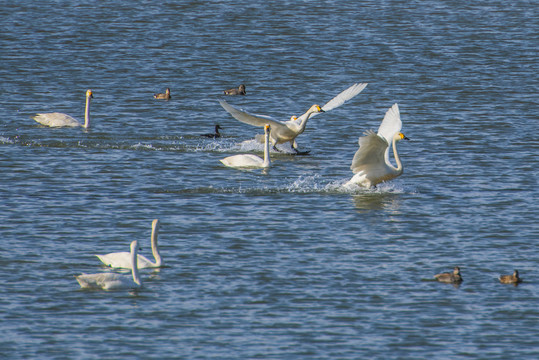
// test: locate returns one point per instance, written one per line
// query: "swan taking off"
(113, 281)
(250, 160)
(371, 164)
(287, 131)
(60, 120)
(123, 259)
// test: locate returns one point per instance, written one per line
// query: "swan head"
(400, 136)
(293, 118)
(267, 128)
(316, 109)
(89, 94)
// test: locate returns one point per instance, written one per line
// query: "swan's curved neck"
(155, 249)
(303, 120)
(399, 169)
(134, 265)
(267, 160)
(87, 113)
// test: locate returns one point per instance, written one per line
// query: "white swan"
(371, 162)
(250, 160)
(287, 131)
(123, 259)
(113, 281)
(60, 120)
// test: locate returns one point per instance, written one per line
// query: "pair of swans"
(63, 120)
(371, 163)
(128, 260)
(288, 131)
(250, 160)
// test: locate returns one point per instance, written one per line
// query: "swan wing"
(343, 97)
(391, 124)
(56, 119)
(251, 119)
(105, 281)
(369, 158)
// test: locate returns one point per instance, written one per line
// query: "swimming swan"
(123, 259)
(113, 281)
(287, 131)
(165, 96)
(250, 160)
(239, 91)
(450, 278)
(371, 162)
(60, 120)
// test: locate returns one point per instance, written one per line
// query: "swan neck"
(87, 113)
(266, 150)
(303, 120)
(155, 249)
(134, 265)
(399, 169)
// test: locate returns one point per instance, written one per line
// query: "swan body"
(161, 96)
(287, 131)
(63, 120)
(371, 164)
(123, 259)
(239, 91)
(451, 278)
(113, 281)
(215, 135)
(510, 279)
(250, 160)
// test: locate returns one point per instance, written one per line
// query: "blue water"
(284, 264)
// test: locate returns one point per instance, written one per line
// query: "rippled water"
(284, 264)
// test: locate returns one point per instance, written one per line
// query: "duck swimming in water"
(510, 279)
(239, 91)
(165, 96)
(450, 278)
(215, 135)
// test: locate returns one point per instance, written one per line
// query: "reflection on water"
(368, 201)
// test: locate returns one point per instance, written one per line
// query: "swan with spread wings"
(287, 131)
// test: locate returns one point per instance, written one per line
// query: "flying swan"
(60, 120)
(287, 131)
(250, 160)
(123, 259)
(371, 164)
(113, 281)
